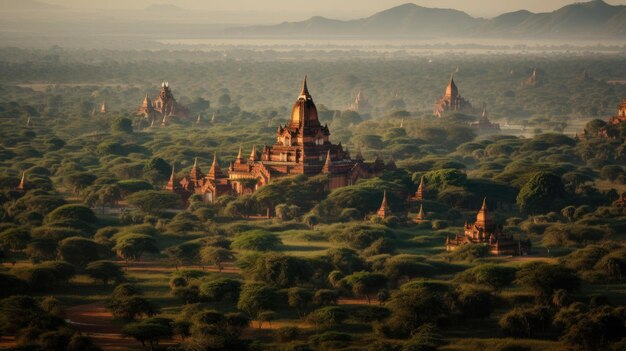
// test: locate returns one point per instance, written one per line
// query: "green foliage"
(255, 298)
(539, 193)
(79, 251)
(72, 212)
(153, 201)
(105, 271)
(132, 246)
(257, 240)
(525, 322)
(327, 317)
(493, 276)
(280, 271)
(544, 279)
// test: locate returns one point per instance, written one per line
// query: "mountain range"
(590, 20)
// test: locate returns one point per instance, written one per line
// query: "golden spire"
(451, 89)
(420, 214)
(483, 218)
(253, 154)
(22, 185)
(198, 119)
(304, 93)
(384, 211)
(215, 171)
(328, 164)
(172, 180)
(239, 155)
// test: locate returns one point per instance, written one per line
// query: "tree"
(123, 125)
(281, 271)
(493, 276)
(221, 289)
(72, 212)
(257, 240)
(266, 316)
(345, 260)
(79, 181)
(157, 170)
(475, 302)
(525, 322)
(129, 308)
(327, 317)
(79, 251)
(42, 249)
(255, 298)
(109, 195)
(153, 201)
(132, 246)
(150, 330)
(544, 279)
(216, 256)
(14, 239)
(539, 193)
(105, 271)
(365, 283)
(299, 298)
(184, 253)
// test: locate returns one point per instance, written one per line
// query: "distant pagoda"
(452, 101)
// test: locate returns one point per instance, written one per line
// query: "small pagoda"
(384, 211)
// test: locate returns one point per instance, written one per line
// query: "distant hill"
(28, 5)
(164, 8)
(592, 19)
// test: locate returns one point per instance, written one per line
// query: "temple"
(621, 115)
(484, 125)
(21, 187)
(485, 231)
(420, 194)
(452, 101)
(360, 104)
(302, 147)
(163, 106)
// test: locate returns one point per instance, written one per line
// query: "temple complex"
(360, 104)
(485, 231)
(621, 115)
(302, 146)
(452, 101)
(484, 125)
(163, 106)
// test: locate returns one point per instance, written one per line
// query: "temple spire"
(198, 119)
(304, 93)
(239, 155)
(22, 185)
(328, 164)
(384, 211)
(172, 181)
(215, 171)
(253, 154)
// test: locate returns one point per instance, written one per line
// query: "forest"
(96, 255)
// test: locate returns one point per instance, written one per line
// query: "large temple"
(163, 106)
(360, 104)
(302, 146)
(614, 126)
(485, 231)
(452, 101)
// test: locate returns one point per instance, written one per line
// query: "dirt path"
(95, 321)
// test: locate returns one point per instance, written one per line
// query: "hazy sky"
(332, 8)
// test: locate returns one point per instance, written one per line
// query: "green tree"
(257, 240)
(255, 298)
(150, 330)
(79, 251)
(123, 125)
(544, 279)
(153, 201)
(540, 193)
(216, 256)
(365, 283)
(490, 275)
(105, 271)
(132, 246)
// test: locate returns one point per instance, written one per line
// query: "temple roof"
(304, 112)
(451, 89)
(195, 173)
(215, 172)
(483, 218)
(384, 210)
